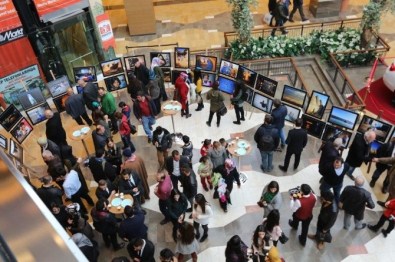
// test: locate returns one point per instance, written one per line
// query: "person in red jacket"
(182, 91)
(124, 130)
(389, 214)
(205, 147)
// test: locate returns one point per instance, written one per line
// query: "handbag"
(133, 129)
(260, 203)
(223, 110)
(283, 238)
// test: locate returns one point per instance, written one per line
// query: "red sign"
(9, 18)
(105, 30)
(48, 6)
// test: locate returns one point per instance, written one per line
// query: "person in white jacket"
(201, 215)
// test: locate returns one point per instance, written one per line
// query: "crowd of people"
(119, 169)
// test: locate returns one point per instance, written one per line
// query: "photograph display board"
(266, 85)
(374, 147)
(3, 142)
(206, 63)
(15, 150)
(58, 86)
(247, 76)
(129, 65)
(332, 132)
(115, 83)
(164, 56)
(36, 115)
(262, 102)
(317, 104)
(228, 68)
(208, 79)
(293, 96)
(226, 85)
(381, 128)
(22, 130)
(10, 117)
(31, 98)
(292, 113)
(249, 95)
(86, 73)
(343, 117)
(313, 126)
(181, 57)
(111, 67)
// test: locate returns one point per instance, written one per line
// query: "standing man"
(329, 152)
(390, 176)
(49, 193)
(333, 175)
(163, 191)
(298, 5)
(296, 141)
(132, 226)
(145, 111)
(75, 106)
(267, 140)
(302, 209)
(386, 150)
(162, 141)
(99, 138)
(54, 128)
(173, 166)
(279, 113)
(281, 15)
(189, 184)
(141, 71)
(353, 201)
(90, 93)
(109, 107)
(359, 151)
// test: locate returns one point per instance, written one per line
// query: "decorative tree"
(242, 18)
(371, 18)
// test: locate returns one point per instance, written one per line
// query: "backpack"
(266, 142)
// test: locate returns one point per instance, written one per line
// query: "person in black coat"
(49, 193)
(326, 219)
(230, 174)
(104, 189)
(113, 155)
(163, 141)
(177, 206)
(359, 151)
(140, 71)
(384, 151)
(54, 128)
(132, 226)
(100, 168)
(173, 166)
(99, 137)
(279, 113)
(75, 107)
(333, 175)
(189, 184)
(296, 141)
(131, 184)
(90, 94)
(141, 250)
(46, 144)
(329, 152)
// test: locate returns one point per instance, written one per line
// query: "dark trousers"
(114, 121)
(109, 239)
(76, 198)
(186, 111)
(305, 227)
(391, 224)
(239, 113)
(377, 173)
(279, 23)
(164, 209)
(300, 8)
(196, 225)
(85, 117)
(210, 117)
(127, 142)
(288, 158)
(174, 181)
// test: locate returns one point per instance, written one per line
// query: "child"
(225, 145)
(205, 170)
(206, 147)
(187, 148)
(125, 109)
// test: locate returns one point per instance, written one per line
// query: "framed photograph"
(115, 83)
(15, 150)
(266, 85)
(22, 130)
(293, 96)
(181, 57)
(111, 67)
(392, 135)
(317, 104)
(208, 79)
(165, 57)
(87, 73)
(227, 85)
(31, 98)
(228, 68)
(175, 74)
(129, 65)
(3, 142)
(381, 128)
(292, 113)
(166, 74)
(58, 86)
(60, 103)
(247, 76)
(374, 147)
(206, 63)
(262, 102)
(36, 115)
(343, 117)
(250, 95)
(10, 117)
(313, 126)
(332, 132)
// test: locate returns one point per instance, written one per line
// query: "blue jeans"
(336, 189)
(282, 135)
(267, 160)
(148, 121)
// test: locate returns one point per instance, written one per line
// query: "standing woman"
(201, 215)
(230, 174)
(177, 206)
(183, 91)
(216, 100)
(217, 154)
(272, 225)
(237, 102)
(187, 243)
(205, 171)
(156, 67)
(270, 198)
(198, 82)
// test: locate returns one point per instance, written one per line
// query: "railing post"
(336, 72)
(268, 68)
(344, 87)
(301, 32)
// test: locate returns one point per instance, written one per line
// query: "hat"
(185, 139)
(127, 152)
(206, 142)
(135, 60)
(42, 141)
(184, 75)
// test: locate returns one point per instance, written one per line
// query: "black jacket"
(166, 142)
(327, 217)
(49, 195)
(101, 169)
(330, 176)
(359, 152)
(354, 200)
(265, 129)
(133, 227)
(177, 208)
(169, 163)
(142, 74)
(90, 95)
(296, 140)
(189, 184)
(146, 256)
(328, 155)
(75, 105)
(126, 186)
(103, 193)
(55, 131)
(229, 178)
(104, 221)
(384, 151)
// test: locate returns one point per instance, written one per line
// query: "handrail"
(146, 46)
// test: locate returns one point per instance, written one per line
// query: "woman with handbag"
(270, 198)
(216, 103)
(272, 225)
(197, 79)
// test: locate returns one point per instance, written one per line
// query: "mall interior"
(44, 41)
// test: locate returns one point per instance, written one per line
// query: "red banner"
(48, 6)
(9, 18)
(105, 30)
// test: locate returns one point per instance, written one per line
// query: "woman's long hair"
(273, 219)
(255, 237)
(273, 184)
(187, 233)
(233, 246)
(200, 201)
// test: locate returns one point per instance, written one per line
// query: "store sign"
(10, 24)
(105, 30)
(48, 6)
(19, 78)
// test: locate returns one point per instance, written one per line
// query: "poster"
(48, 6)
(105, 31)
(21, 81)
(10, 24)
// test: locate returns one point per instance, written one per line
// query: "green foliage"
(317, 42)
(242, 18)
(371, 16)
